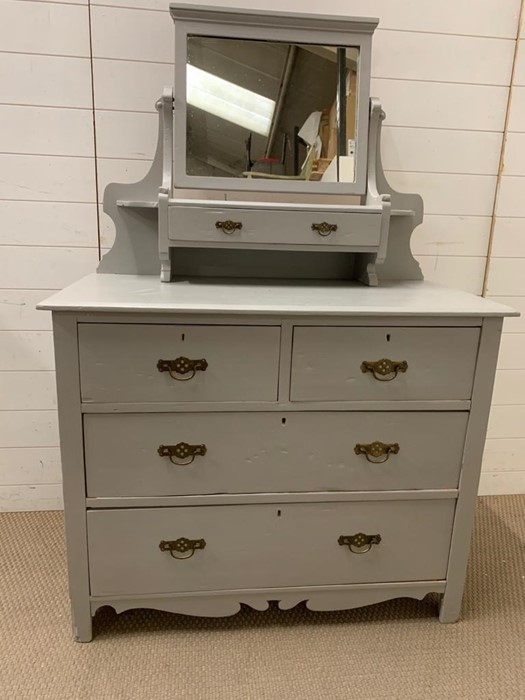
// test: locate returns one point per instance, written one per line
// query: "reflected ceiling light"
(229, 101)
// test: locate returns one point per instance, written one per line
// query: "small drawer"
(209, 548)
(236, 226)
(122, 362)
(383, 364)
(213, 453)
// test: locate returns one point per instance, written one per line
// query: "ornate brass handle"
(229, 226)
(182, 450)
(182, 365)
(377, 452)
(324, 228)
(359, 541)
(181, 546)
(382, 369)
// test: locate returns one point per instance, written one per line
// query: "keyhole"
(283, 421)
(388, 337)
(183, 335)
(278, 513)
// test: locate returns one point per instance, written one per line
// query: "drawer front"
(266, 546)
(327, 363)
(119, 363)
(195, 224)
(271, 452)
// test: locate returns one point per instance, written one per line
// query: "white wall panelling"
(506, 421)
(48, 28)
(51, 178)
(447, 234)
(450, 17)
(26, 350)
(509, 388)
(55, 81)
(132, 34)
(23, 267)
(29, 429)
(48, 236)
(442, 105)
(442, 72)
(31, 497)
(507, 276)
(46, 130)
(20, 391)
(43, 223)
(18, 312)
(30, 465)
(442, 58)
(129, 85)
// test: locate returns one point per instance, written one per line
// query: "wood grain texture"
(242, 362)
(270, 452)
(253, 544)
(327, 363)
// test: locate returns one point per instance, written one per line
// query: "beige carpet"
(395, 650)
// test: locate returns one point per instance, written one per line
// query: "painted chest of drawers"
(217, 453)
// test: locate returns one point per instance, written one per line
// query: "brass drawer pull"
(377, 452)
(382, 369)
(182, 451)
(181, 546)
(324, 228)
(182, 365)
(359, 541)
(228, 226)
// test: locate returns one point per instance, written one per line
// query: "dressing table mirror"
(290, 413)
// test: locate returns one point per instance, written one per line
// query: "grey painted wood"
(286, 406)
(326, 363)
(266, 497)
(398, 263)
(276, 226)
(135, 250)
(474, 446)
(222, 604)
(119, 362)
(298, 28)
(124, 294)
(73, 479)
(267, 546)
(255, 452)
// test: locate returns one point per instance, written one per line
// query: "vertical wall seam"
(99, 246)
(501, 163)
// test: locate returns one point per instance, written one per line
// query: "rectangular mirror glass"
(265, 110)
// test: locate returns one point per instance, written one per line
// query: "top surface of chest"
(143, 294)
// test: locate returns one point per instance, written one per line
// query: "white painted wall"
(442, 71)
(504, 462)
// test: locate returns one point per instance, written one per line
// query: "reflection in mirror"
(270, 110)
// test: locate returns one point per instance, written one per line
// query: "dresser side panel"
(469, 481)
(71, 447)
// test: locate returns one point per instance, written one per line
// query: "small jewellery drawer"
(201, 548)
(359, 364)
(156, 363)
(274, 227)
(147, 454)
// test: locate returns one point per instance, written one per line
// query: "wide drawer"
(352, 363)
(271, 452)
(266, 546)
(119, 362)
(274, 227)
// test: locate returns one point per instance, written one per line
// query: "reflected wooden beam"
(283, 87)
